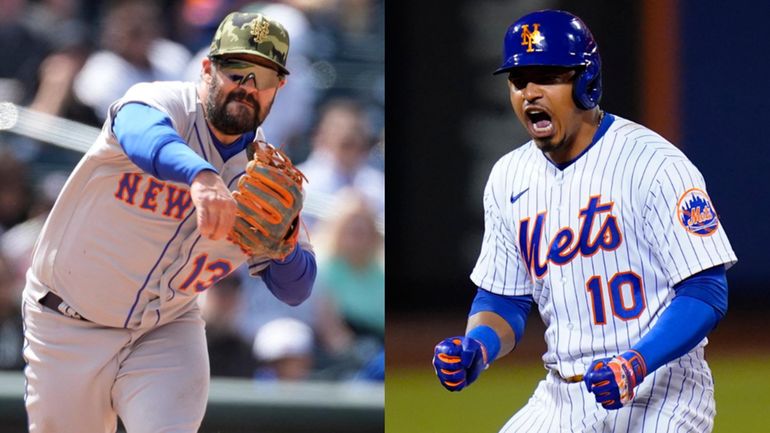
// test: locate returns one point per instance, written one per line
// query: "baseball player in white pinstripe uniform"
(609, 230)
(111, 323)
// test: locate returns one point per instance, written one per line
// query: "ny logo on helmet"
(528, 38)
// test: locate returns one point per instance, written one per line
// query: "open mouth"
(540, 124)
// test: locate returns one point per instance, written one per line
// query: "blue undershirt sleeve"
(291, 280)
(149, 139)
(710, 286)
(513, 309)
(699, 304)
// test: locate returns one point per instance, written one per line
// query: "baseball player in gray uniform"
(607, 228)
(141, 227)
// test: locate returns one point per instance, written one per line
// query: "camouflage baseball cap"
(252, 33)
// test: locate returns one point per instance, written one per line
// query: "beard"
(226, 114)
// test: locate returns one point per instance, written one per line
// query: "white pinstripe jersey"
(121, 247)
(600, 244)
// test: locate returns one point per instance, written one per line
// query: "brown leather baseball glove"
(269, 198)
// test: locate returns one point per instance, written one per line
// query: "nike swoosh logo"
(516, 197)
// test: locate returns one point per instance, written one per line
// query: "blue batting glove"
(458, 361)
(612, 380)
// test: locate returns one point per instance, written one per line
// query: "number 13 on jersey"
(626, 296)
(205, 274)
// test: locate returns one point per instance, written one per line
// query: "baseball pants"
(82, 376)
(678, 397)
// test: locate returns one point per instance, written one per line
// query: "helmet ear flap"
(587, 89)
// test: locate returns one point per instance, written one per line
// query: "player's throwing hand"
(458, 361)
(214, 205)
(612, 380)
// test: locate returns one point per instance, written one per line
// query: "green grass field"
(416, 403)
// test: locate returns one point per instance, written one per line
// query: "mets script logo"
(528, 38)
(696, 213)
(565, 245)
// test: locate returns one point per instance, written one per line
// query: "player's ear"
(283, 81)
(207, 69)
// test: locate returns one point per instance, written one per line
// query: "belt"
(573, 379)
(54, 302)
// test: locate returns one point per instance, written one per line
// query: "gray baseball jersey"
(122, 247)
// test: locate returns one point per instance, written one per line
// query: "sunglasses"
(244, 74)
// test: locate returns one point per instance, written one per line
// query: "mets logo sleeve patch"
(696, 213)
(681, 222)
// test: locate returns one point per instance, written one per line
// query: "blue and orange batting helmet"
(556, 38)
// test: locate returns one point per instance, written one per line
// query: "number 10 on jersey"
(626, 296)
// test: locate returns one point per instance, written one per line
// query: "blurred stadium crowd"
(73, 58)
